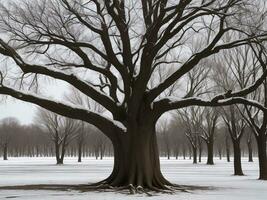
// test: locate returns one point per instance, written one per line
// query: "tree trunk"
(237, 159)
(79, 152)
(250, 151)
(5, 152)
(57, 148)
(63, 150)
(136, 160)
(220, 153)
(176, 153)
(228, 154)
(261, 142)
(210, 153)
(190, 153)
(102, 154)
(194, 155)
(168, 154)
(200, 154)
(184, 153)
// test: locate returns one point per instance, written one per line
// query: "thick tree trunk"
(210, 153)
(136, 160)
(5, 152)
(261, 142)
(237, 158)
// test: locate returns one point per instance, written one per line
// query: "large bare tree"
(109, 50)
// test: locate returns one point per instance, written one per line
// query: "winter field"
(29, 171)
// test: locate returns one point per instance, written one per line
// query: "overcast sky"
(24, 111)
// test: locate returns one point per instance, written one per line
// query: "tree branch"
(104, 124)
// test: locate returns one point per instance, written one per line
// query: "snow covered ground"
(28, 171)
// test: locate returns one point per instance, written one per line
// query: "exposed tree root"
(102, 187)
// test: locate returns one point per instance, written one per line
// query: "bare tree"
(249, 145)
(246, 67)
(80, 99)
(209, 127)
(165, 137)
(227, 148)
(236, 127)
(123, 43)
(100, 143)
(257, 120)
(7, 127)
(192, 122)
(62, 131)
(81, 136)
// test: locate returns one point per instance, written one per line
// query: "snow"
(70, 105)
(24, 171)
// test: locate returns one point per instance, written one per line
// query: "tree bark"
(237, 159)
(136, 159)
(210, 153)
(261, 141)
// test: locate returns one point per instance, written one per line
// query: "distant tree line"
(17, 140)
(66, 137)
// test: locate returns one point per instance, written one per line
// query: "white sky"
(24, 111)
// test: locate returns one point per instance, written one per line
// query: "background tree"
(99, 142)
(245, 67)
(7, 128)
(81, 136)
(257, 120)
(61, 130)
(227, 148)
(164, 136)
(192, 122)
(210, 119)
(250, 146)
(236, 126)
